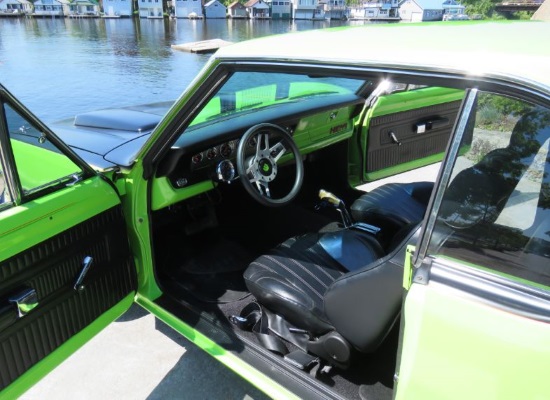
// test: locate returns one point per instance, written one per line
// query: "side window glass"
(495, 212)
(40, 165)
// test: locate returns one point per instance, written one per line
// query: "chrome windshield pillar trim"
(497, 291)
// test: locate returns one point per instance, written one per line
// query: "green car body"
(475, 286)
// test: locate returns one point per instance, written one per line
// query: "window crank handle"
(86, 264)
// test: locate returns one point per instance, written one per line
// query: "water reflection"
(60, 67)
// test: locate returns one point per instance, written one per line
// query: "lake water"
(61, 67)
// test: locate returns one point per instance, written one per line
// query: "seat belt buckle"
(241, 322)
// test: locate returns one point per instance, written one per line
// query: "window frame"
(7, 158)
(423, 260)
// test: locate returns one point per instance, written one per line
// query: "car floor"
(203, 270)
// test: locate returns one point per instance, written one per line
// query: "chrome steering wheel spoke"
(258, 170)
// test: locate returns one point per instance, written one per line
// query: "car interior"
(265, 244)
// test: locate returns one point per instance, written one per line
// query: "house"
(381, 10)
(187, 8)
(215, 9)
(48, 8)
(15, 7)
(334, 9)
(307, 9)
(118, 8)
(150, 9)
(236, 10)
(257, 9)
(421, 10)
(80, 8)
(453, 10)
(280, 9)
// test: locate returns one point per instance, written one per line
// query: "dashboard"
(205, 154)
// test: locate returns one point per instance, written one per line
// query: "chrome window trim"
(497, 291)
(445, 174)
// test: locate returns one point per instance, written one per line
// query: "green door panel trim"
(413, 99)
(408, 166)
(456, 346)
(408, 268)
(49, 363)
(52, 214)
(231, 361)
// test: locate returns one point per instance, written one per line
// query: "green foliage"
(504, 105)
(486, 8)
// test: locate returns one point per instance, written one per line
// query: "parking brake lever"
(339, 205)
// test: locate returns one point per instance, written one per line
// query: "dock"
(204, 46)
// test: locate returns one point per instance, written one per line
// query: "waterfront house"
(236, 10)
(307, 9)
(215, 9)
(188, 8)
(257, 9)
(280, 9)
(334, 9)
(421, 10)
(381, 10)
(80, 8)
(48, 8)
(15, 7)
(117, 8)
(150, 9)
(453, 10)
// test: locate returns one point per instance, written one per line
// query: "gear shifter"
(339, 205)
(347, 220)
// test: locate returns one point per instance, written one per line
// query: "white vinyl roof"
(507, 49)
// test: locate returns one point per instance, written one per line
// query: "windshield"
(246, 91)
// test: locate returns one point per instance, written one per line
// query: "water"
(61, 67)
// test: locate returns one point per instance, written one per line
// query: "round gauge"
(225, 171)
(211, 153)
(197, 158)
(226, 149)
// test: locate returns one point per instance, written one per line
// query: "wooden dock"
(204, 46)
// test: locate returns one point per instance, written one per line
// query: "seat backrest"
(364, 305)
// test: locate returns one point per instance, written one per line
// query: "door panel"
(409, 129)
(51, 268)
(65, 260)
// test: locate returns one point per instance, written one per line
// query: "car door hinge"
(421, 274)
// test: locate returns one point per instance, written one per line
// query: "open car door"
(476, 315)
(405, 127)
(66, 269)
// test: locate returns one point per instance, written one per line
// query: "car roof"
(511, 49)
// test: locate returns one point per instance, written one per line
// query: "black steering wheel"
(258, 170)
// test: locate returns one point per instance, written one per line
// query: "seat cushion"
(292, 279)
(393, 206)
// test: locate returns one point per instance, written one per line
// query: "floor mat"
(214, 288)
(213, 271)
